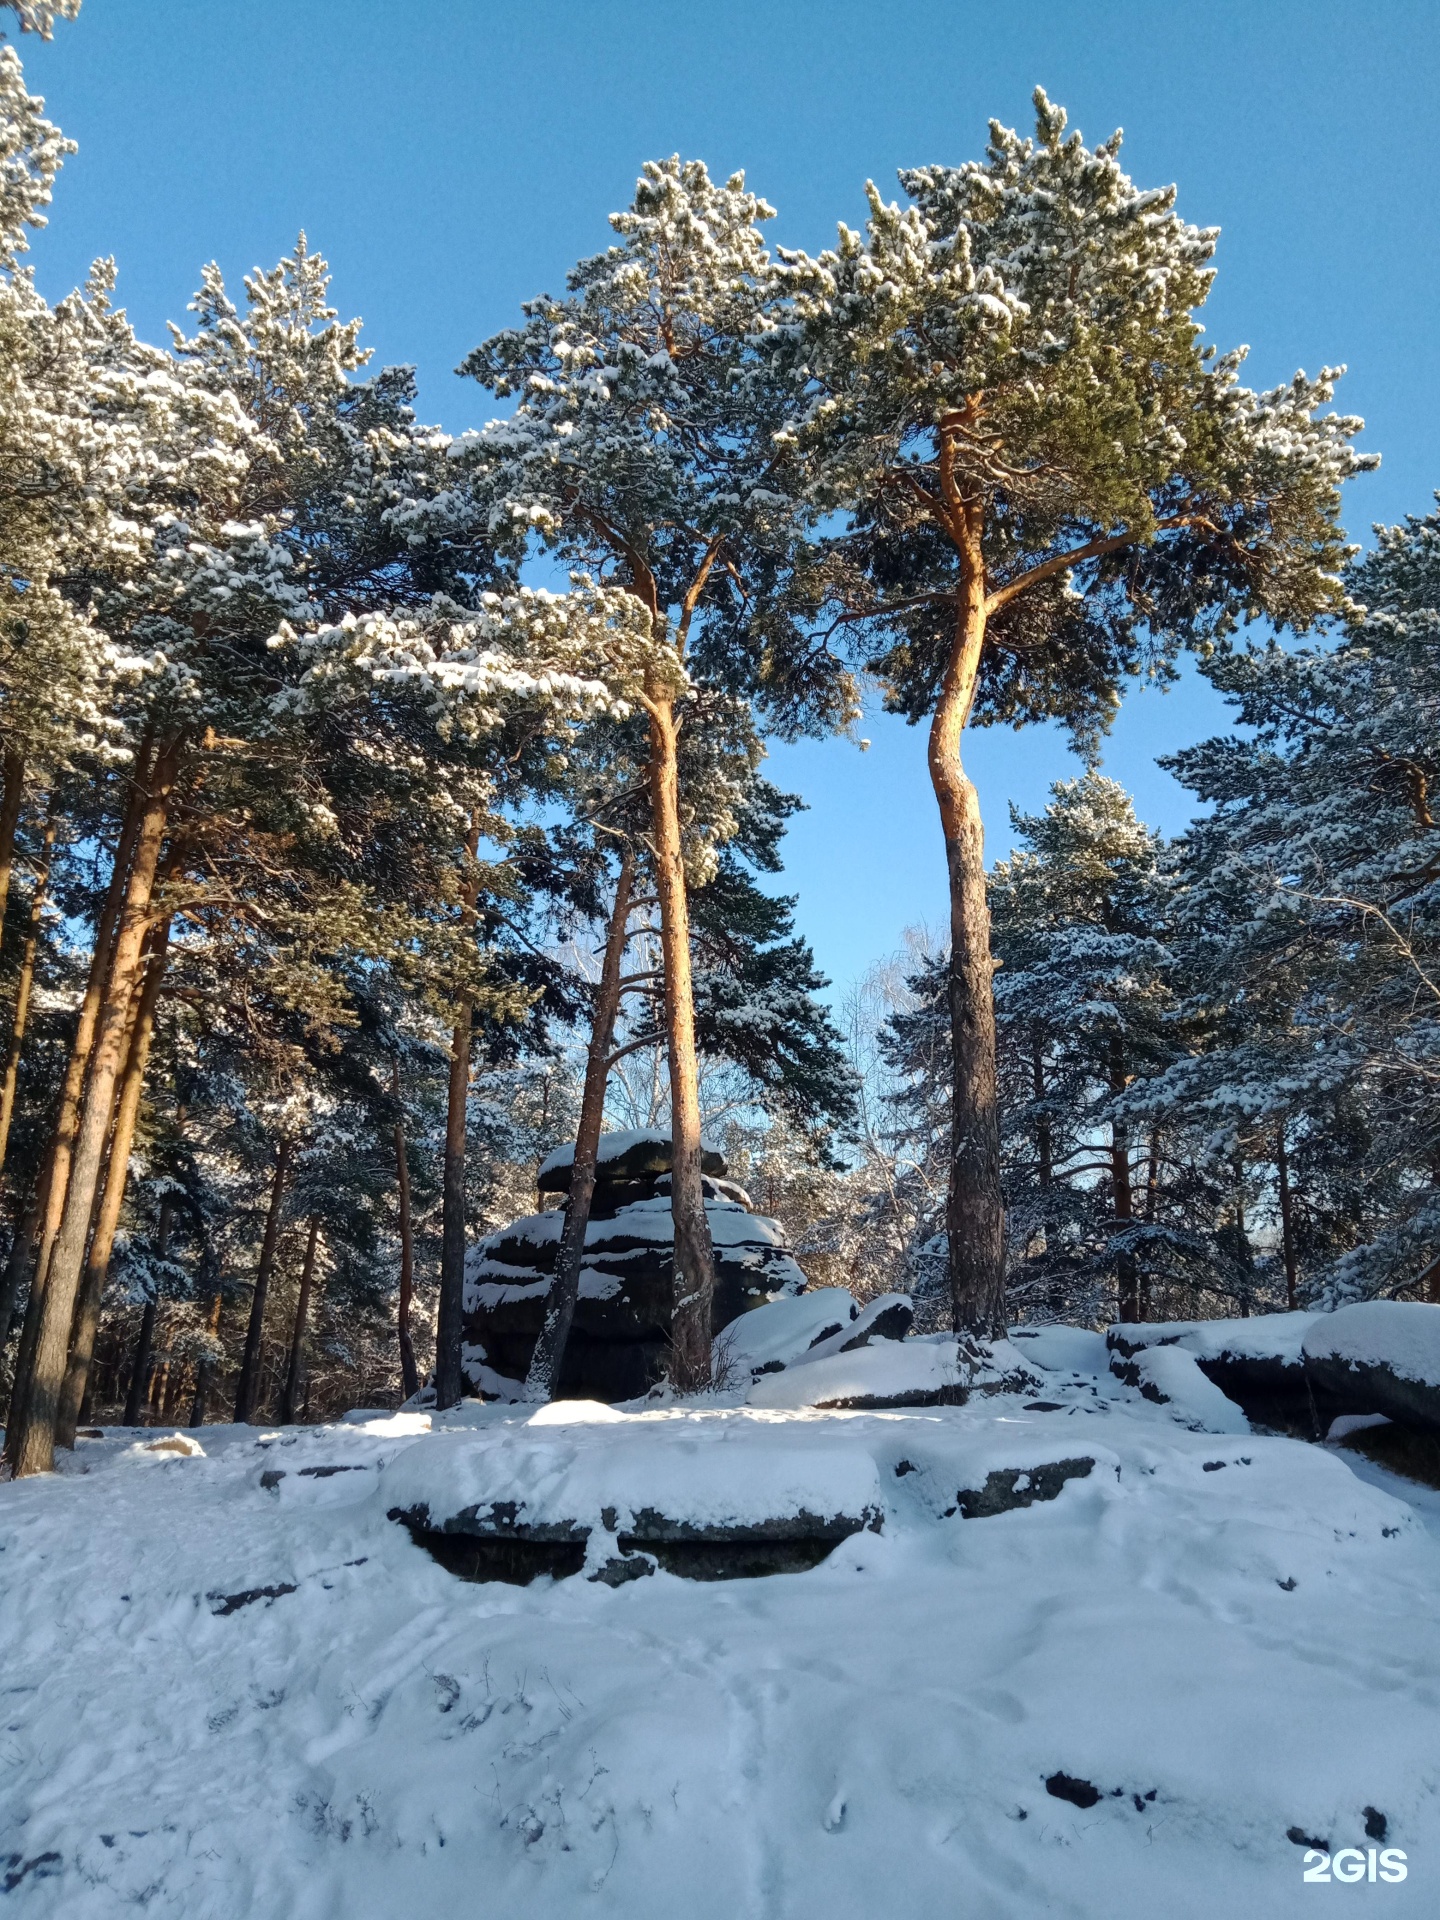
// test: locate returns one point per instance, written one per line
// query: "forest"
(383, 807)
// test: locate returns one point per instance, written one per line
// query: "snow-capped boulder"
(1256, 1362)
(639, 1154)
(621, 1499)
(1379, 1356)
(1170, 1376)
(811, 1326)
(619, 1339)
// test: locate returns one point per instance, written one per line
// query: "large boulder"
(1257, 1362)
(619, 1340)
(1379, 1356)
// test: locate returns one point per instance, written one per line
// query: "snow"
(1263, 1336)
(1403, 1335)
(611, 1147)
(1062, 1349)
(232, 1700)
(783, 1330)
(1172, 1374)
(862, 1327)
(886, 1370)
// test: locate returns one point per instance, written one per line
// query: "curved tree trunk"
(409, 1372)
(23, 989)
(548, 1359)
(449, 1380)
(974, 1213)
(102, 1239)
(302, 1318)
(36, 1445)
(694, 1256)
(248, 1385)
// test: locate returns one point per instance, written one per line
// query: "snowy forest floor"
(1231, 1637)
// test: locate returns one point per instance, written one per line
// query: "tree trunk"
(1287, 1221)
(249, 1383)
(974, 1213)
(1127, 1272)
(10, 802)
(21, 1245)
(36, 1448)
(409, 1372)
(1044, 1140)
(23, 989)
(138, 1394)
(55, 1174)
(449, 1381)
(102, 1239)
(297, 1337)
(694, 1257)
(204, 1373)
(548, 1360)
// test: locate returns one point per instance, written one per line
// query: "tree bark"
(449, 1380)
(249, 1383)
(1127, 1272)
(974, 1213)
(1287, 1221)
(10, 803)
(548, 1360)
(409, 1372)
(55, 1174)
(36, 1447)
(138, 1392)
(691, 1327)
(302, 1318)
(102, 1239)
(204, 1373)
(23, 988)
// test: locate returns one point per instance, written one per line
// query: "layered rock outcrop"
(619, 1339)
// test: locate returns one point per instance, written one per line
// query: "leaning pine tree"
(1049, 484)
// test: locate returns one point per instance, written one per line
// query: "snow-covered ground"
(227, 1700)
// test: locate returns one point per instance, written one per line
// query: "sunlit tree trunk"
(974, 1213)
(449, 1380)
(102, 1239)
(36, 1443)
(11, 798)
(694, 1257)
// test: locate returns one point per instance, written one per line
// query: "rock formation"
(619, 1339)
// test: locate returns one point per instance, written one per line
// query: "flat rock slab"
(1378, 1356)
(1009, 1488)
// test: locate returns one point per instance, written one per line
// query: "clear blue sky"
(452, 157)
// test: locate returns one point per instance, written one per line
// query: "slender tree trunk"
(138, 1392)
(36, 1447)
(21, 1245)
(1287, 1221)
(691, 1327)
(102, 1239)
(10, 803)
(409, 1372)
(1152, 1199)
(55, 1175)
(1044, 1139)
(1242, 1238)
(548, 1360)
(204, 1373)
(248, 1388)
(23, 989)
(1127, 1272)
(974, 1213)
(297, 1336)
(449, 1380)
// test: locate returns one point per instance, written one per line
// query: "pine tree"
(1051, 485)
